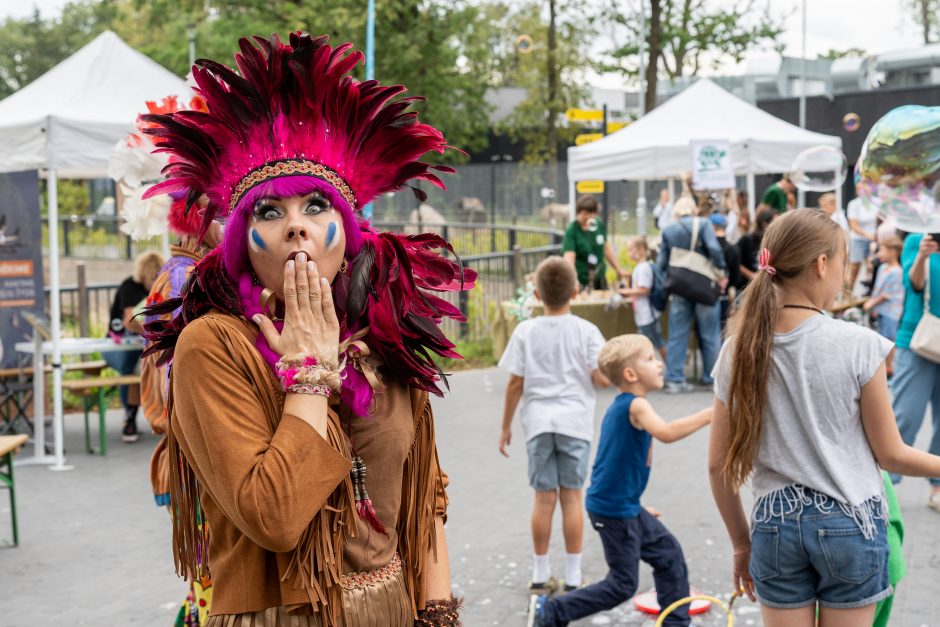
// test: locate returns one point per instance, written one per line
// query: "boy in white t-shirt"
(644, 314)
(552, 365)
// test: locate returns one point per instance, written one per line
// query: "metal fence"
(502, 256)
(100, 237)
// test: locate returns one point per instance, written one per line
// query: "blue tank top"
(622, 465)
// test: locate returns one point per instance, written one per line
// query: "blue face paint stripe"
(330, 234)
(256, 238)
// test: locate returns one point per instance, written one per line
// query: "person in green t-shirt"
(776, 195)
(586, 246)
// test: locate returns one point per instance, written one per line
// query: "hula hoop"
(702, 597)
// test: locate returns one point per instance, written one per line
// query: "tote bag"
(691, 275)
(926, 339)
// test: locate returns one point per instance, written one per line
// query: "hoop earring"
(344, 266)
(268, 301)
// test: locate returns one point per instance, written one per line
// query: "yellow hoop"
(702, 597)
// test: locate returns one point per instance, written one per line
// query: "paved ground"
(94, 548)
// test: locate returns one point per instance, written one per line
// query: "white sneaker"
(933, 502)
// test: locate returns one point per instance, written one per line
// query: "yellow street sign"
(587, 138)
(590, 187)
(613, 127)
(584, 115)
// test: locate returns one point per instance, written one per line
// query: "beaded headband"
(291, 167)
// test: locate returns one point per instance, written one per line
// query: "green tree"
(926, 14)
(683, 36)
(428, 45)
(553, 73)
(834, 53)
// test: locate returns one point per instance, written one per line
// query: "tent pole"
(641, 209)
(838, 191)
(750, 192)
(56, 322)
(572, 201)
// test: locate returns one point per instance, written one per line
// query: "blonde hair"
(685, 206)
(894, 243)
(147, 266)
(795, 241)
(555, 281)
(638, 240)
(618, 353)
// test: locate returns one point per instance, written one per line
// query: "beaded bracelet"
(308, 370)
(316, 390)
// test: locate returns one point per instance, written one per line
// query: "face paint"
(331, 235)
(255, 241)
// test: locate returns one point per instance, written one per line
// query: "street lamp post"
(370, 73)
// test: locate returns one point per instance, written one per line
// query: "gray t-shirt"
(812, 427)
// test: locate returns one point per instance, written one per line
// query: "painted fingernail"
(324, 282)
(301, 257)
(290, 264)
(256, 318)
(311, 266)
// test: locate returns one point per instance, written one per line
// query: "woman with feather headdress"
(301, 357)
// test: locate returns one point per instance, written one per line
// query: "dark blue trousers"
(626, 542)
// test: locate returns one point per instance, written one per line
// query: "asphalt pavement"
(94, 549)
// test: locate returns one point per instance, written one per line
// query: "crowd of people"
(820, 465)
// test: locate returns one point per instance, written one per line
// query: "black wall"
(824, 115)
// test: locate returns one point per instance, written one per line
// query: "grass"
(476, 354)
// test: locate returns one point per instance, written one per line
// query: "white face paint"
(255, 241)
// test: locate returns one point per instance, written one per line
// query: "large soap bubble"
(819, 169)
(899, 168)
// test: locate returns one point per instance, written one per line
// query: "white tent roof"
(71, 116)
(657, 145)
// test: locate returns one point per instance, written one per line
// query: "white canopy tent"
(657, 145)
(66, 123)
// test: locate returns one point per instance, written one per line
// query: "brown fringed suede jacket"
(276, 495)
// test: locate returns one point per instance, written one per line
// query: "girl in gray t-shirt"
(802, 410)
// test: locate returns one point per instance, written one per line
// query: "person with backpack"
(643, 284)
(682, 309)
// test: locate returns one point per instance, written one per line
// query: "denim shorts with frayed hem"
(818, 554)
(557, 461)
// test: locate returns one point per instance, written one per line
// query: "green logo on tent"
(709, 158)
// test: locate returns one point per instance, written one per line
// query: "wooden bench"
(95, 391)
(16, 391)
(9, 444)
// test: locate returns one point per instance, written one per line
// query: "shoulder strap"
(695, 221)
(927, 285)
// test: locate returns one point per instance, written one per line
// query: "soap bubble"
(819, 169)
(624, 216)
(898, 171)
(851, 122)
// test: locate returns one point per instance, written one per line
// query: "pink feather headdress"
(290, 121)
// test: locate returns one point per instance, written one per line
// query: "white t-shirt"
(555, 356)
(663, 214)
(643, 312)
(866, 215)
(812, 431)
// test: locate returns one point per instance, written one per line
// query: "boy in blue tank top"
(621, 470)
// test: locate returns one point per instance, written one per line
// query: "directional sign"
(590, 187)
(613, 127)
(587, 138)
(585, 115)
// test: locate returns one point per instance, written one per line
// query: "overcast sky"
(873, 25)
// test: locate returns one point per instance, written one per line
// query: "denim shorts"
(653, 334)
(818, 554)
(557, 460)
(888, 327)
(859, 250)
